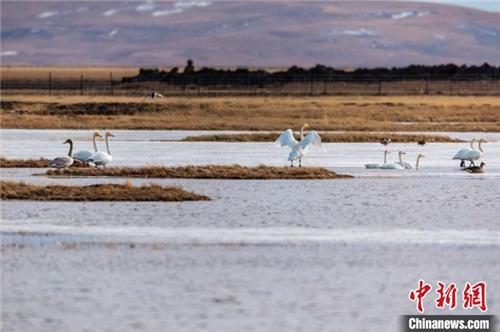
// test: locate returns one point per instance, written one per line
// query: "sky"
(492, 5)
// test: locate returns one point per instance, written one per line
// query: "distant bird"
(475, 169)
(103, 158)
(462, 152)
(299, 149)
(377, 165)
(385, 141)
(422, 141)
(84, 155)
(408, 165)
(64, 162)
(395, 165)
(474, 155)
(152, 95)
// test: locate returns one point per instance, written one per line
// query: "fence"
(275, 86)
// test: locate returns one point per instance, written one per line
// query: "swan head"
(421, 156)
(108, 134)
(483, 141)
(401, 152)
(68, 141)
(96, 134)
(387, 151)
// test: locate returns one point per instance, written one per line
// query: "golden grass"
(234, 172)
(65, 73)
(29, 163)
(348, 137)
(360, 113)
(97, 192)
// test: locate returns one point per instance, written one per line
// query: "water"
(321, 255)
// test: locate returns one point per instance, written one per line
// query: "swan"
(377, 165)
(474, 155)
(84, 155)
(103, 158)
(394, 165)
(475, 169)
(408, 165)
(152, 95)
(299, 149)
(66, 161)
(460, 153)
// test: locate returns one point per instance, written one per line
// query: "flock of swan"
(298, 151)
(98, 158)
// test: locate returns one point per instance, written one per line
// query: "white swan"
(84, 155)
(152, 95)
(377, 165)
(299, 149)
(103, 158)
(474, 155)
(462, 152)
(408, 165)
(394, 165)
(66, 161)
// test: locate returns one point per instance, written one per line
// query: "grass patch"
(353, 113)
(29, 163)
(234, 172)
(97, 192)
(348, 137)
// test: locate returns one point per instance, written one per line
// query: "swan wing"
(82, 155)
(373, 166)
(61, 162)
(461, 152)
(471, 155)
(391, 166)
(159, 95)
(312, 139)
(99, 157)
(286, 139)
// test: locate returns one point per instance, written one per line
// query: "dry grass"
(234, 172)
(359, 113)
(65, 73)
(348, 137)
(29, 163)
(98, 192)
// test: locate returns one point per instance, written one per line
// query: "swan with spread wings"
(299, 149)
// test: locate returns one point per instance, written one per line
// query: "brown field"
(29, 163)
(97, 192)
(234, 172)
(358, 113)
(66, 73)
(350, 137)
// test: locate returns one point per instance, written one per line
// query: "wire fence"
(255, 86)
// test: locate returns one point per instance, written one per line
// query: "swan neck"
(480, 147)
(302, 132)
(95, 144)
(401, 159)
(385, 157)
(418, 161)
(70, 153)
(472, 143)
(107, 145)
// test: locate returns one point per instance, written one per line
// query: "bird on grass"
(66, 161)
(422, 141)
(153, 95)
(385, 141)
(475, 169)
(84, 155)
(103, 158)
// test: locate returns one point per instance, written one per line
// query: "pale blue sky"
(492, 5)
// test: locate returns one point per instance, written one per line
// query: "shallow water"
(321, 255)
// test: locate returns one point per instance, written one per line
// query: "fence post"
(111, 83)
(379, 87)
(427, 85)
(50, 83)
(451, 87)
(312, 85)
(324, 87)
(81, 85)
(198, 84)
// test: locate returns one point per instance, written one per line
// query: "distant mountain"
(256, 34)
